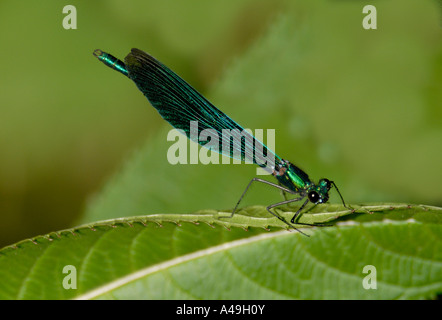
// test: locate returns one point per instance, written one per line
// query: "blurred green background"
(80, 143)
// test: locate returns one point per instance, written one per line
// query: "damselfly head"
(319, 193)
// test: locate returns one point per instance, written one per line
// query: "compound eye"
(313, 196)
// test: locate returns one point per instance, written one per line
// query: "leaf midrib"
(176, 261)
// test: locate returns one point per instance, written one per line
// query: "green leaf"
(200, 256)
